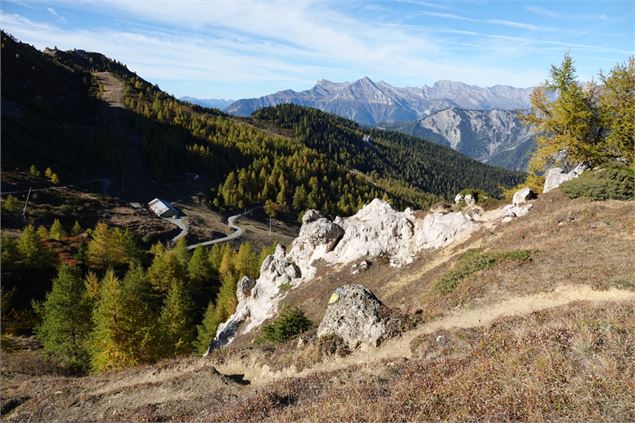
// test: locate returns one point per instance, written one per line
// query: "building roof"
(159, 207)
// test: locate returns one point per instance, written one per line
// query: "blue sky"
(237, 49)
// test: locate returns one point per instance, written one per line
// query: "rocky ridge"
(369, 102)
(494, 136)
(376, 230)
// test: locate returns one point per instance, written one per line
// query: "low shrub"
(478, 195)
(611, 182)
(473, 261)
(284, 287)
(291, 322)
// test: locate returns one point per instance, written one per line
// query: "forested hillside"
(387, 154)
(51, 115)
(323, 163)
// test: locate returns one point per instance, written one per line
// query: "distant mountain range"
(370, 103)
(215, 103)
(480, 122)
(495, 136)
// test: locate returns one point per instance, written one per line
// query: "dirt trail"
(400, 347)
(137, 184)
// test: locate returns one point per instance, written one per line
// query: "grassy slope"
(512, 341)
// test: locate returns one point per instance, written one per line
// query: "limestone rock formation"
(354, 314)
(257, 301)
(522, 196)
(439, 229)
(376, 230)
(311, 216)
(316, 239)
(556, 176)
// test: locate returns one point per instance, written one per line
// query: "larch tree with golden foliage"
(584, 122)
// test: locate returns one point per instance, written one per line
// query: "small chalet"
(162, 208)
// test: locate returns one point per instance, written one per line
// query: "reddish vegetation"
(573, 363)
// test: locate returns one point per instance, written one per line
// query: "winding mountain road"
(231, 222)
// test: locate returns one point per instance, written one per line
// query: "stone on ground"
(354, 314)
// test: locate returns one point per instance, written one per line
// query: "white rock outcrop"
(469, 199)
(439, 229)
(376, 230)
(522, 196)
(257, 300)
(556, 176)
(317, 238)
(311, 215)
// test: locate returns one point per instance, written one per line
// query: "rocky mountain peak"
(370, 103)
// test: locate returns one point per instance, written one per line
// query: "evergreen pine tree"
(165, 269)
(42, 232)
(34, 171)
(299, 198)
(57, 231)
(567, 123)
(91, 282)
(103, 344)
(216, 256)
(201, 277)
(206, 331)
(245, 262)
(617, 108)
(76, 229)
(181, 253)
(226, 269)
(175, 322)
(30, 248)
(66, 322)
(139, 321)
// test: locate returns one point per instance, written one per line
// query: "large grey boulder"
(354, 314)
(556, 176)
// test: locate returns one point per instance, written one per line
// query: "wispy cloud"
(567, 16)
(520, 25)
(188, 57)
(453, 16)
(56, 15)
(491, 21)
(433, 5)
(289, 44)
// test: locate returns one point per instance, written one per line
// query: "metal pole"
(26, 203)
(269, 225)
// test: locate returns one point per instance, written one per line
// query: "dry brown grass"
(572, 243)
(575, 362)
(572, 363)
